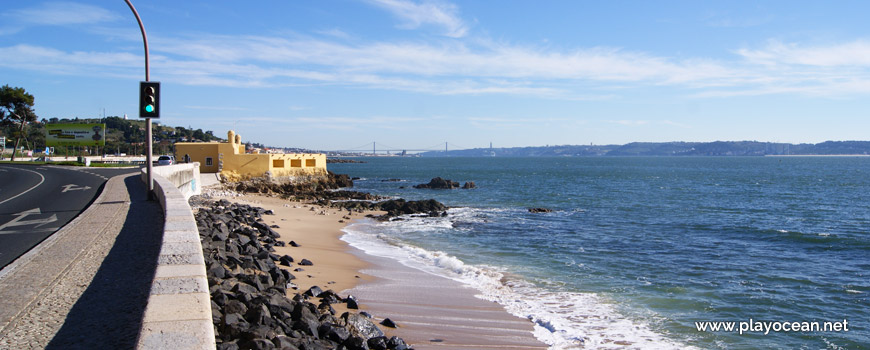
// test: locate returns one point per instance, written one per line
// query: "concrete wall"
(185, 177)
(178, 314)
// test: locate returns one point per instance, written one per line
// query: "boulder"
(314, 291)
(333, 332)
(377, 343)
(330, 297)
(284, 342)
(540, 210)
(469, 185)
(351, 302)
(355, 343)
(305, 262)
(396, 343)
(360, 326)
(439, 184)
(389, 323)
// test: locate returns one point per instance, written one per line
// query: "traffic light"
(149, 99)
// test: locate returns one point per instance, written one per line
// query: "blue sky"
(339, 74)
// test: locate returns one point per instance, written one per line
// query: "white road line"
(29, 189)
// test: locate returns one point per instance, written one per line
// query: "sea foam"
(563, 320)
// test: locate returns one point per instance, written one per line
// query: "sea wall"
(178, 314)
(185, 177)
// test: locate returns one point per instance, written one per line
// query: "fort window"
(310, 163)
(208, 161)
(277, 163)
(296, 163)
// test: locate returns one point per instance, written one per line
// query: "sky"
(414, 74)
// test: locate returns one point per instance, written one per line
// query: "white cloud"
(465, 67)
(415, 15)
(855, 53)
(63, 13)
(630, 122)
(217, 108)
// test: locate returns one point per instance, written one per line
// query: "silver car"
(166, 160)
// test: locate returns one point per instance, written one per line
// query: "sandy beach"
(432, 312)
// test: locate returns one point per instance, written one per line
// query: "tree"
(16, 106)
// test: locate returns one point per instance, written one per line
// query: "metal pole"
(149, 184)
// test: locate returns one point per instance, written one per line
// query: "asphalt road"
(36, 201)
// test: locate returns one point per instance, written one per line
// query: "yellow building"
(230, 160)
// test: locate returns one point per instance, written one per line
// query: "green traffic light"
(149, 108)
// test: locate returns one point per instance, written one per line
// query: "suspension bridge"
(375, 147)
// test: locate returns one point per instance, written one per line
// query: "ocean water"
(637, 250)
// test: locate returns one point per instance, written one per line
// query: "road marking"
(42, 179)
(18, 220)
(72, 187)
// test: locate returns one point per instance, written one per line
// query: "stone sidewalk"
(86, 286)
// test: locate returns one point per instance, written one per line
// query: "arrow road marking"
(72, 187)
(19, 222)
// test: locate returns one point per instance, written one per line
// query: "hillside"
(718, 148)
(122, 135)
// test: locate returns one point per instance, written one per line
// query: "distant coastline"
(671, 149)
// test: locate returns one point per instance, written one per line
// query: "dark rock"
(217, 271)
(360, 326)
(355, 343)
(398, 207)
(389, 323)
(396, 343)
(232, 325)
(232, 345)
(469, 185)
(333, 332)
(235, 307)
(307, 326)
(540, 210)
(439, 184)
(286, 260)
(259, 315)
(293, 244)
(284, 342)
(330, 296)
(351, 302)
(314, 291)
(305, 262)
(258, 344)
(377, 343)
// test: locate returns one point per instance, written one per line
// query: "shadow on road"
(109, 313)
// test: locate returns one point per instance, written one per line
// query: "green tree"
(16, 106)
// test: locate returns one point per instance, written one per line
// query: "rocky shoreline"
(250, 306)
(329, 192)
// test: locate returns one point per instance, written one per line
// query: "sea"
(638, 252)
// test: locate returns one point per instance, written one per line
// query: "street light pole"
(148, 158)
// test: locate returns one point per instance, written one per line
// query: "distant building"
(230, 160)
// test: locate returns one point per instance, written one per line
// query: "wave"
(563, 320)
(827, 238)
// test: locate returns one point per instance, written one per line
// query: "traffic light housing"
(149, 99)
